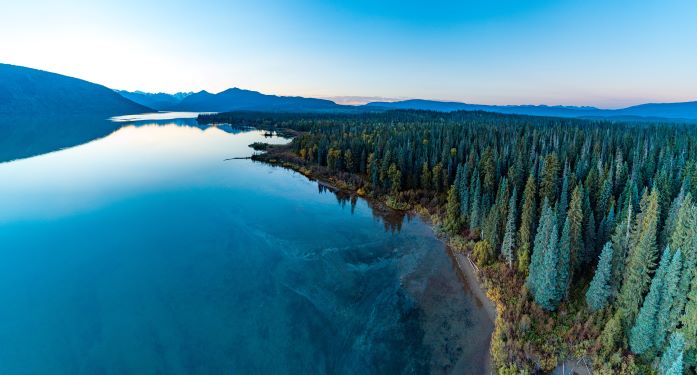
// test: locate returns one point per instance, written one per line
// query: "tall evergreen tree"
(671, 360)
(575, 217)
(564, 265)
(588, 232)
(684, 239)
(664, 324)
(550, 178)
(527, 222)
(599, 290)
(640, 260)
(643, 334)
(475, 211)
(452, 211)
(689, 320)
(509, 234)
(620, 247)
(542, 279)
(564, 196)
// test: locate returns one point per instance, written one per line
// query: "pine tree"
(671, 360)
(689, 320)
(527, 220)
(509, 234)
(677, 367)
(463, 189)
(563, 205)
(643, 335)
(684, 239)
(599, 290)
(671, 220)
(604, 198)
(475, 212)
(640, 260)
(452, 209)
(425, 176)
(606, 226)
(547, 296)
(542, 279)
(488, 170)
(588, 232)
(664, 325)
(550, 178)
(575, 217)
(620, 246)
(564, 266)
(490, 228)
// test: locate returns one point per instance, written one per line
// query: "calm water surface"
(147, 252)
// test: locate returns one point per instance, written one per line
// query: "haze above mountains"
(26, 91)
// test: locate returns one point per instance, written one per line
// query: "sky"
(605, 53)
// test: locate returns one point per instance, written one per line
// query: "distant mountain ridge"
(158, 101)
(236, 99)
(33, 92)
(30, 92)
(685, 110)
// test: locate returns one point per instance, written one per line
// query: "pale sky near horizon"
(609, 54)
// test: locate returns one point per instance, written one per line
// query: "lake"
(150, 250)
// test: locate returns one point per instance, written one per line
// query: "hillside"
(235, 99)
(687, 110)
(26, 91)
(158, 101)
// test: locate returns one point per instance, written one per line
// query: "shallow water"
(146, 251)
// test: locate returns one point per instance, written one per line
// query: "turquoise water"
(147, 252)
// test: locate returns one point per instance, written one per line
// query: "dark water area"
(146, 251)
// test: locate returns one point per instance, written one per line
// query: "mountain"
(655, 111)
(235, 99)
(686, 110)
(159, 101)
(26, 91)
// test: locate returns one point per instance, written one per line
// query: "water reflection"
(26, 136)
(391, 219)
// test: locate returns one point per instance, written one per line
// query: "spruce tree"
(563, 205)
(575, 217)
(542, 278)
(642, 337)
(599, 290)
(425, 176)
(684, 239)
(463, 189)
(547, 295)
(564, 265)
(588, 232)
(640, 260)
(664, 325)
(671, 360)
(550, 178)
(452, 211)
(509, 234)
(527, 220)
(689, 320)
(677, 367)
(620, 246)
(475, 212)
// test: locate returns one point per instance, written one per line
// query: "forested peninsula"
(585, 232)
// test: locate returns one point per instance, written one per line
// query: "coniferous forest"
(585, 231)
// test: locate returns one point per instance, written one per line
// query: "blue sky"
(608, 53)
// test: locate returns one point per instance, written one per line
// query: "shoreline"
(466, 269)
